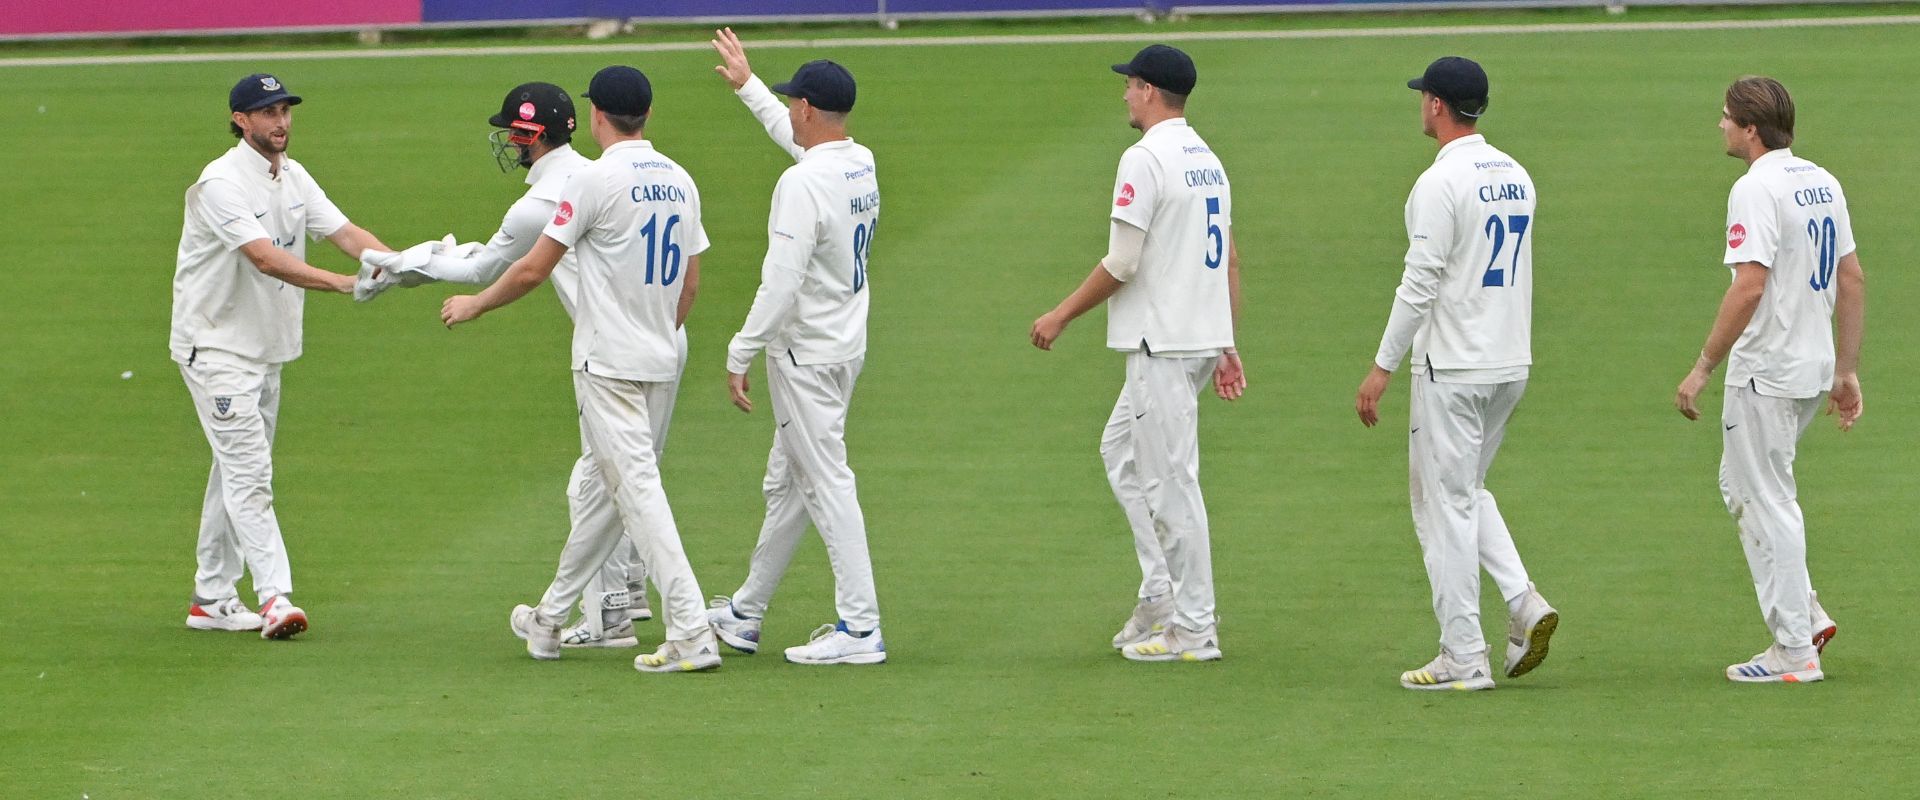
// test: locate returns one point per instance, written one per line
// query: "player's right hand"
(460, 308)
(1046, 329)
(1366, 402)
(733, 57)
(737, 387)
(1685, 398)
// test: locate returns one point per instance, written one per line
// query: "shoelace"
(819, 633)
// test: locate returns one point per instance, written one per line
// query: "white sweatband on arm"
(1402, 324)
(1124, 243)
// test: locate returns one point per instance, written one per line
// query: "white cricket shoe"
(1176, 643)
(1444, 673)
(584, 634)
(1149, 617)
(740, 633)
(543, 637)
(603, 622)
(834, 644)
(227, 615)
(281, 619)
(698, 654)
(1528, 632)
(1774, 665)
(1823, 625)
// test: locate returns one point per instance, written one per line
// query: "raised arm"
(760, 100)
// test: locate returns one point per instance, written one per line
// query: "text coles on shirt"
(1819, 195)
(1493, 193)
(658, 193)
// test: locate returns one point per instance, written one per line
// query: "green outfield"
(420, 472)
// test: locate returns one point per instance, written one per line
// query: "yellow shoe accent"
(1151, 649)
(1422, 677)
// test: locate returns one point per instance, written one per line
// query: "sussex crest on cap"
(270, 83)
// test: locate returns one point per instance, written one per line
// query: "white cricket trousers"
(1151, 447)
(616, 418)
(1760, 434)
(808, 480)
(1454, 431)
(590, 505)
(238, 405)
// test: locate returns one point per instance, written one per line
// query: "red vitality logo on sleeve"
(1126, 196)
(1736, 235)
(563, 214)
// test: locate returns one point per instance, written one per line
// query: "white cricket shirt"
(632, 219)
(1465, 300)
(1789, 215)
(811, 307)
(526, 219)
(224, 307)
(1177, 302)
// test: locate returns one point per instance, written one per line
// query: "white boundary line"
(947, 41)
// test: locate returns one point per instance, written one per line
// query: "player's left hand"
(1685, 399)
(737, 387)
(1366, 402)
(460, 308)
(733, 57)
(1229, 377)
(1847, 400)
(1046, 329)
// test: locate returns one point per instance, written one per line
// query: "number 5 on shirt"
(1216, 241)
(1497, 231)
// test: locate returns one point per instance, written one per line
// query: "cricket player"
(1171, 282)
(632, 220)
(810, 318)
(1789, 329)
(1465, 306)
(239, 287)
(534, 130)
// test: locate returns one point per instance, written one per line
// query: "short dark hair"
(232, 126)
(1175, 100)
(626, 124)
(1461, 118)
(1764, 104)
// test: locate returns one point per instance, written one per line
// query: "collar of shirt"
(545, 164)
(258, 165)
(627, 144)
(1459, 143)
(1770, 157)
(828, 147)
(1165, 125)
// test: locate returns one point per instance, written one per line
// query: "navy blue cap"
(257, 91)
(823, 84)
(1458, 81)
(1161, 66)
(621, 90)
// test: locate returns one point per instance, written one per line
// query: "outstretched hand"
(733, 57)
